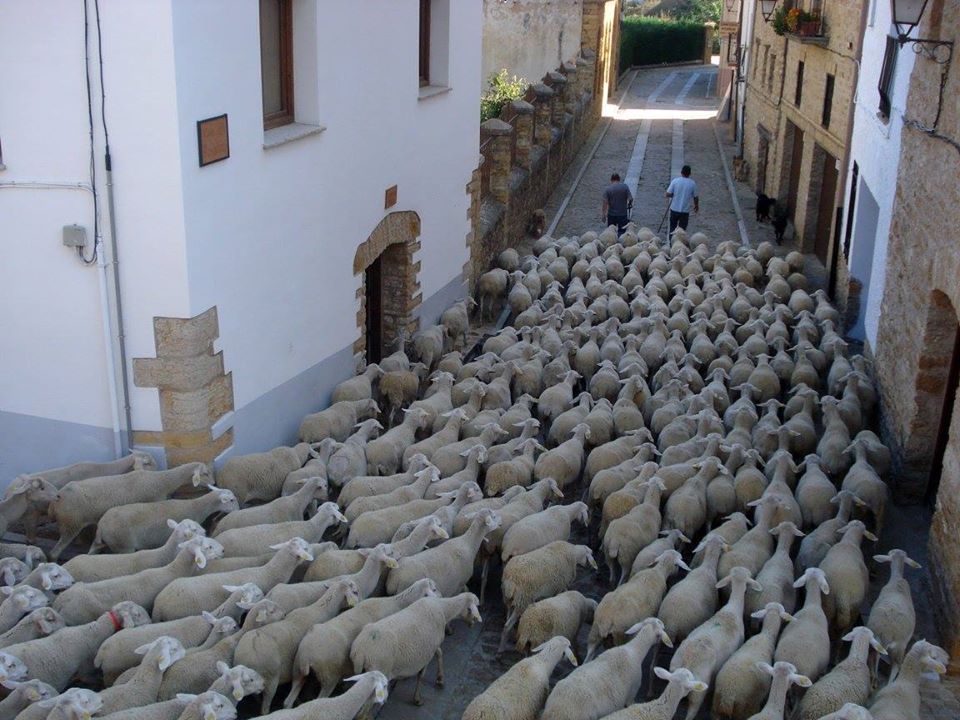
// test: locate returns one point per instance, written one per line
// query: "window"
(886, 76)
(773, 67)
(798, 93)
(766, 57)
(425, 42)
(827, 102)
(276, 62)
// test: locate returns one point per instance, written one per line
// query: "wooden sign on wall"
(213, 139)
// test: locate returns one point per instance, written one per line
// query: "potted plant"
(809, 26)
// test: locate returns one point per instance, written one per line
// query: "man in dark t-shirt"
(617, 201)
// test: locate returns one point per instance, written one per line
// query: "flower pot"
(810, 28)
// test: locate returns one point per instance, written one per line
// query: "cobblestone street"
(663, 119)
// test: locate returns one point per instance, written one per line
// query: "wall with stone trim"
(526, 151)
(918, 316)
(529, 37)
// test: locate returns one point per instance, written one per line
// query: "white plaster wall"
(52, 352)
(875, 146)
(272, 233)
(529, 37)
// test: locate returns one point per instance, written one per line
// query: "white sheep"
(849, 681)
(450, 564)
(22, 695)
(325, 649)
(806, 641)
(901, 698)
(25, 495)
(288, 508)
(693, 600)
(520, 692)
(403, 494)
(491, 286)
(271, 650)
(892, 617)
(255, 539)
(69, 652)
(337, 420)
(741, 686)
(91, 568)
(562, 614)
(637, 599)
(847, 574)
(784, 675)
(84, 602)
(776, 575)
(19, 601)
(144, 687)
(210, 705)
(74, 704)
(542, 528)
(680, 683)
(403, 644)
(350, 459)
(82, 503)
(13, 570)
(709, 646)
(385, 453)
(190, 596)
(626, 536)
(118, 652)
(564, 463)
(369, 690)
(377, 484)
(358, 387)
(456, 321)
(139, 526)
(608, 683)
(539, 574)
(39, 623)
(49, 577)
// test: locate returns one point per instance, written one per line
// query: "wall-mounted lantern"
(731, 4)
(766, 9)
(906, 16)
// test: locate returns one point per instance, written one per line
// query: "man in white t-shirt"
(683, 197)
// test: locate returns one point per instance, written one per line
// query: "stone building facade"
(797, 119)
(917, 351)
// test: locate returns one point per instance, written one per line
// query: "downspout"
(121, 379)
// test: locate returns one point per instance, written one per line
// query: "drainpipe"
(121, 391)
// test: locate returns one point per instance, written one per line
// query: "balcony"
(805, 27)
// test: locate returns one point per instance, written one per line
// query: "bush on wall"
(501, 89)
(651, 41)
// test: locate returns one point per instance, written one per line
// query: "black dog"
(764, 203)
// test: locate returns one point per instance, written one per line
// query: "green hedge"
(650, 41)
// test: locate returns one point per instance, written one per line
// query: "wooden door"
(373, 287)
(946, 416)
(796, 160)
(828, 192)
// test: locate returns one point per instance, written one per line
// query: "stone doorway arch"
(390, 289)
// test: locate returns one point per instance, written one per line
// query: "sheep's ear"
(764, 667)
(144, 649)
(801, 680)
(222, 667)
(662, 673)
(209, 617)
(186, 698)
(171, 523)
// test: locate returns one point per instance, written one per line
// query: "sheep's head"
(557, 643)
(130, 614)
(471, 610)
(209, 705)
(53, 577)
(350, 590)
(248, 593)
(327, 512)
(584, 556)
(46, 620)
(654, 627)
(670, 559)
(35, 488)
(740, 574)
(164, 652)
(489, 519)
(203, 549)
(422, 588)
(13, 570)
(11, 668)
(772, 607)
(201, 474)
(298, 547)
(33, 555)
(785, 670)
(320, 488)
(932, 658)
(787, 527)
(222, 626)
(865, 635)
(264, 613)
(31, 690)
(25, 598)
(242, 680)
(813, 577)
(143, 461)
(378, 681)
(897, 555)
(74, 704)
(382, 553)
(185, 529)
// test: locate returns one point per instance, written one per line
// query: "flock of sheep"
(696, 408)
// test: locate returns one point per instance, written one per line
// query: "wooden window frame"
(424, 42)
(798, 91)
(828, 90)
(285, 115)
(885, 84)
(771, 72)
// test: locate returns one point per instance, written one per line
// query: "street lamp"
(906, 16)
(766, 8)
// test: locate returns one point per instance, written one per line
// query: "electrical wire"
(93, 163)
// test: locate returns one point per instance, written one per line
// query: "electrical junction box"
(74, 236)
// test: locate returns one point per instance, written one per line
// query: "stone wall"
(526, 151)
(529, 37)
(771, 110)
(918, 321)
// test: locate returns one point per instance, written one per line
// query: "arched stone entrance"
(390, 291)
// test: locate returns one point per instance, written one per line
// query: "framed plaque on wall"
(213, 139)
